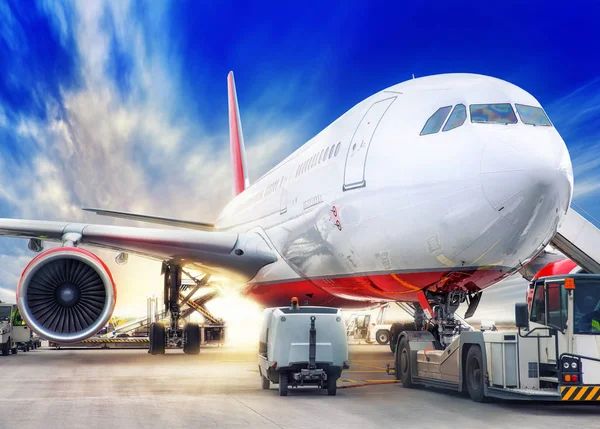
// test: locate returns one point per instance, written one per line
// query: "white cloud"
(137, 153)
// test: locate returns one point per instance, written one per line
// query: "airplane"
(426, 192)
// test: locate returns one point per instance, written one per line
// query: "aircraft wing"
(238, 255)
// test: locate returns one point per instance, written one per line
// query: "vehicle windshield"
(501, 113)
(532, 115)
(587, 307)
(4, 314)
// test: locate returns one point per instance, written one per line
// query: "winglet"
(236, 140)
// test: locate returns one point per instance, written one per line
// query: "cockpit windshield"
(501, 113)
(532, 115)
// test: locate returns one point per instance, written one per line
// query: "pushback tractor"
(302, 346)
(553, 355)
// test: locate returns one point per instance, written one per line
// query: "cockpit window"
(532, 115)
(501, 113)
(435, 122)
(457, 118)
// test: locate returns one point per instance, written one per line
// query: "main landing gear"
(172, 336)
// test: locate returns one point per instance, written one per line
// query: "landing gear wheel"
(158, 339)
(395, 330)
(474, 374)
(6, 349)
(382, 336)
(283, 383)
(403, 369)
(265, 382)
(191, 339)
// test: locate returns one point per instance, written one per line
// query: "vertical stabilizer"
(236, 140)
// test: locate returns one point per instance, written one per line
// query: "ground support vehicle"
(302, 346)
(554, 354)
(14, 333)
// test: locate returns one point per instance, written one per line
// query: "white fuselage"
(392, 211)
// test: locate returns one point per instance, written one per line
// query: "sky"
(122, 104)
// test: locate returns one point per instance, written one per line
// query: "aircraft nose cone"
(514, 178)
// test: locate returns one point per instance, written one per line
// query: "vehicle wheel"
(382, 336)
(158, 339)
(26, 347)
(191, 339)
(15, 350)
(6, 349)
(265, 383)
(283, 383)
(331, 386)
(474, 374)
(403, 370)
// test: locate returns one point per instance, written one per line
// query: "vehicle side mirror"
(522, 315)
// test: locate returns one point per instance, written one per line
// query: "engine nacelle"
(66, 294)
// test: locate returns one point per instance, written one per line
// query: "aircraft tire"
(158, 339)
(191, 342)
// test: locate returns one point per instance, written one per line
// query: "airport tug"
(554, 355)
(301, 346)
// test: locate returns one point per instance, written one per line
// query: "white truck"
(301, 346)
(14, 333)
(554, 354)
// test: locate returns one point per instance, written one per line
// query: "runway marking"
(362, 370)
(382, 381)
(368, 366)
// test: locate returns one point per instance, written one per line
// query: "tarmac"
(220, 388)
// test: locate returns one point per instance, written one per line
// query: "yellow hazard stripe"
(580, 393)
(592, 393)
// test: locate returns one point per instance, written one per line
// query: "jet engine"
(66, 294)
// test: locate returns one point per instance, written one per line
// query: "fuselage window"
(313, 161)
(331, 151)
(501, 113)
(321, 155)
(532, 115)
(326, 153)
(457, 118)
(435, 121)
(337, 149)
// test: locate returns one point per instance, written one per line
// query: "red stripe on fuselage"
(368, 290)
(234, 139)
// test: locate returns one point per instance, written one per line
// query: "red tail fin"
(236, 140)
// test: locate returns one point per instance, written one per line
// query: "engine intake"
(66, 294)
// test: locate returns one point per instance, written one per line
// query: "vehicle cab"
(565, 319)
(6, 329)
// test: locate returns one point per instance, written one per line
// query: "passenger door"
(356, 158)
(284, 195)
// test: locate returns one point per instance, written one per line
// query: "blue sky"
(112, 104)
